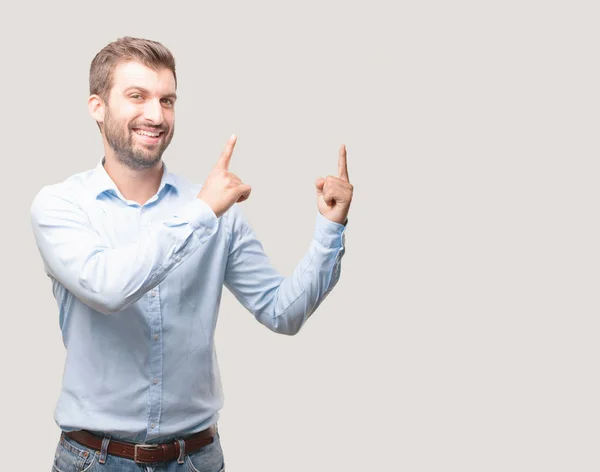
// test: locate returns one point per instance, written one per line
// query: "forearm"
(112, 279)
(109, 279)
(284, 304)
(299, 295)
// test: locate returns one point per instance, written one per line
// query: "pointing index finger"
(223, 161)
(343, 164)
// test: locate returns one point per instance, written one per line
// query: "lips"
(148, 135)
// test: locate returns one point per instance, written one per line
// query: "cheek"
(119, 121)
(129, 114)
(171, 125)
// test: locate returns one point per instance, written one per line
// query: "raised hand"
(334, 194)
(222, 188)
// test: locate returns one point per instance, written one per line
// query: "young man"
(138, 257)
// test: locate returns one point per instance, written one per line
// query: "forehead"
(134, 74)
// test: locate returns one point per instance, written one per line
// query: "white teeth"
(147, 133)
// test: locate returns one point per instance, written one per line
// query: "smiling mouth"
(149, 137)
(150, 134)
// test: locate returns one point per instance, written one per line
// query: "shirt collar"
(101, 182)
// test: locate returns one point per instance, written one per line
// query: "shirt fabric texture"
(138, 289)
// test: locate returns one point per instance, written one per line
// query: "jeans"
(71, 456)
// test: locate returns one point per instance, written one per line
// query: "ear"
(96, 107)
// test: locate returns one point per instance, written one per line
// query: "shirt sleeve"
(105, 278)
(283, 304)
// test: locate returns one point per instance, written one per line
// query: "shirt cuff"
(198, 215)
(329, 233)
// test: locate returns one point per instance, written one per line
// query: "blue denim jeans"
(71, 456)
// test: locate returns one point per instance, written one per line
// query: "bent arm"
(105, 278)
(283, 304)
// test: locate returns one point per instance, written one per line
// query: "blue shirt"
(138, 289)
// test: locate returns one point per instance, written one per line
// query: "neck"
(136, 185)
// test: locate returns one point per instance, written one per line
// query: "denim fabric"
(71, 456)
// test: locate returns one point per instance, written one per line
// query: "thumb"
(320, 183)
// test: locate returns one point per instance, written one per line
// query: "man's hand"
(222, 188)
(334, 194)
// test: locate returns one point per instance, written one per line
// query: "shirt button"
(155, 381)
(156, 337)
(178, 258)
(153, 293)
(152, 426)
(209, 231)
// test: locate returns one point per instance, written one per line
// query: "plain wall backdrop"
(463, 334)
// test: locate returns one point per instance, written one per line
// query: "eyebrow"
(172, 96)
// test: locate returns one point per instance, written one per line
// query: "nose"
(153, 111)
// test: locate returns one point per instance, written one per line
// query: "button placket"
(144, 219)
(156, 360)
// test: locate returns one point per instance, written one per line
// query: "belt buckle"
(146, 447)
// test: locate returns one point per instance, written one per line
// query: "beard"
(136, 156)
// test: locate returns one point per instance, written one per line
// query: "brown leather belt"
(145, 453)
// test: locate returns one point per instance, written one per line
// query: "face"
(139, 118)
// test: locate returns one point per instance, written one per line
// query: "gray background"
(463, 333)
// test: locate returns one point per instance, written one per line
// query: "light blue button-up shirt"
(138, 289)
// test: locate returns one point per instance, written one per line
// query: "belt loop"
(181, 450)
(104, 449)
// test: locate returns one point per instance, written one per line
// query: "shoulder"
(71, 191)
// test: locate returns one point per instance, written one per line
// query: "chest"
(119, 223)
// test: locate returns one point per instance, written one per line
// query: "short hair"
(150, 53)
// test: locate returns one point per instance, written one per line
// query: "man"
(138, 257)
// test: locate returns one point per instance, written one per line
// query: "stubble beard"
(130, 155)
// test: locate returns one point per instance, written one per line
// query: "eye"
(168, 102)
(135, 96)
